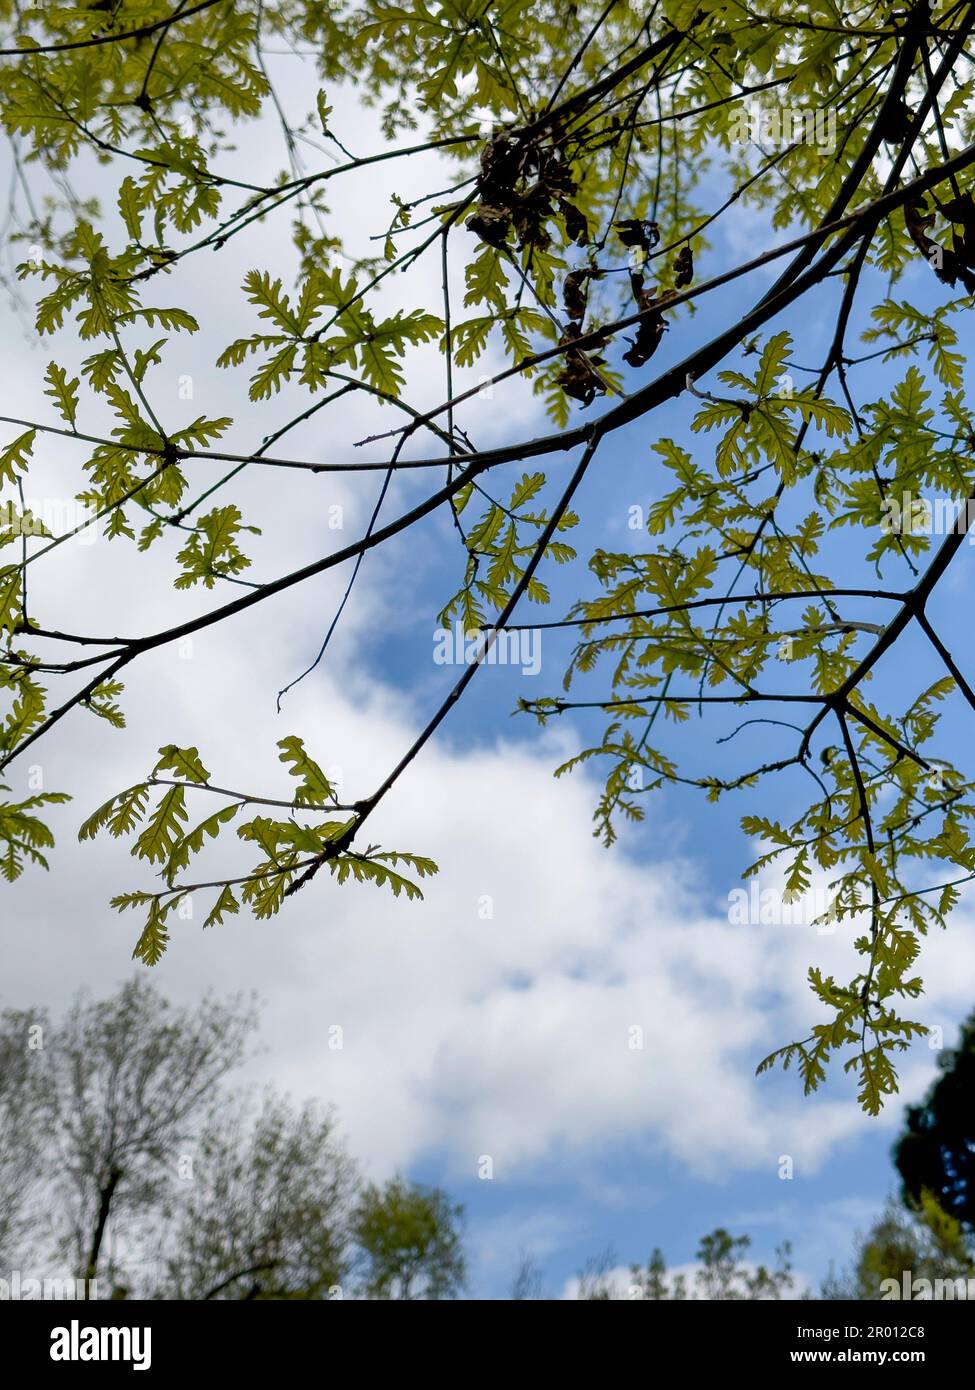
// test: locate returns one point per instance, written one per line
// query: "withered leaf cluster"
(642, 235)
(651, 327)
(653, 324)
(521, 184)
(580, 378)
(575, 292)
(953, 263)
(634, 231)
(684, 267)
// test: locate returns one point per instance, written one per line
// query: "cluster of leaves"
(312, 351)
(162, 837)
(887, 806)
(209, 51)
(498, 547)
(23, 835)
(142, 463)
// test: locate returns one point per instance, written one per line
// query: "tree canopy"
(594, 156)
(936, 1152)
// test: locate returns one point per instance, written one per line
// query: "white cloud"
(506, 1037)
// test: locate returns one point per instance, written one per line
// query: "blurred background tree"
(923, 1242)
(123, 1152)
(130, 1077)
(267, 1208)
(722, 1271)
(409, 1240)
(22, 1085)
(936, 1153)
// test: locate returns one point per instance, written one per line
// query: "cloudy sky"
(587, 1020)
